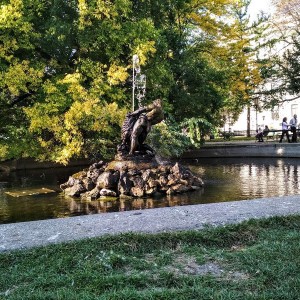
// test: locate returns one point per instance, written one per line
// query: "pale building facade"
(271, 118)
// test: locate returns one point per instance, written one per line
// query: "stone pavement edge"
(25, 235)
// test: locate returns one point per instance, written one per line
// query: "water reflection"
(281, 179)
(251, 178)
(225, 180)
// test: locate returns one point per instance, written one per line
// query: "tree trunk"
(248, 121)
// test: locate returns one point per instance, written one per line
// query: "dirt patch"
(187, 265)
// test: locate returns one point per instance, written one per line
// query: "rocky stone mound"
(131, 178)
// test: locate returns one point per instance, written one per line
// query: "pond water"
(225, 180)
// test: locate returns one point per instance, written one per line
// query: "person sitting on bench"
(266, 131)
(259, 135)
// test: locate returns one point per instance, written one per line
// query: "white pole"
(133, 85)
(135, 69)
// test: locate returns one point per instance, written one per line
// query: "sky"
(260, 5)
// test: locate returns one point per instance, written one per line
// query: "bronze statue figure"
(136, 171)
(136, 127)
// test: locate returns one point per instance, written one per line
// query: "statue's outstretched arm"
(138, 111)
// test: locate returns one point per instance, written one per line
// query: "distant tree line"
(65, 83)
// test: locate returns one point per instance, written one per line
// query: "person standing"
(285, 130)
(293, 124)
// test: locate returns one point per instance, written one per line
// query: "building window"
(294, 109)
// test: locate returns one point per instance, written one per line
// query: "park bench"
(275, 135)
(271, 135)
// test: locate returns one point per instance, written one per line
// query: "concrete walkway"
(246, 149)
(40, 233)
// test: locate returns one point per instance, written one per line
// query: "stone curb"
(276, 150)
(179, 218)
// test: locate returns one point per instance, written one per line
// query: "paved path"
(245, 149)
(39, 233)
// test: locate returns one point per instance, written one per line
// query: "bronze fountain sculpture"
(136, 127)
(135, 172)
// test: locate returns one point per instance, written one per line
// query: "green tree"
(191, 77)
(291, 67)
(243, 43)
(65, 66)
(286, 66)
(64, 70)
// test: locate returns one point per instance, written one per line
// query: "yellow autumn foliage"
(21, 76)
(117, 74)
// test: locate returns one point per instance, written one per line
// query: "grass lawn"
(252, 260)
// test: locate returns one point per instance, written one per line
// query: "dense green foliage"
(65, 69)
(289, 63)
(291, 67)
(168, 140)
(253, 260)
